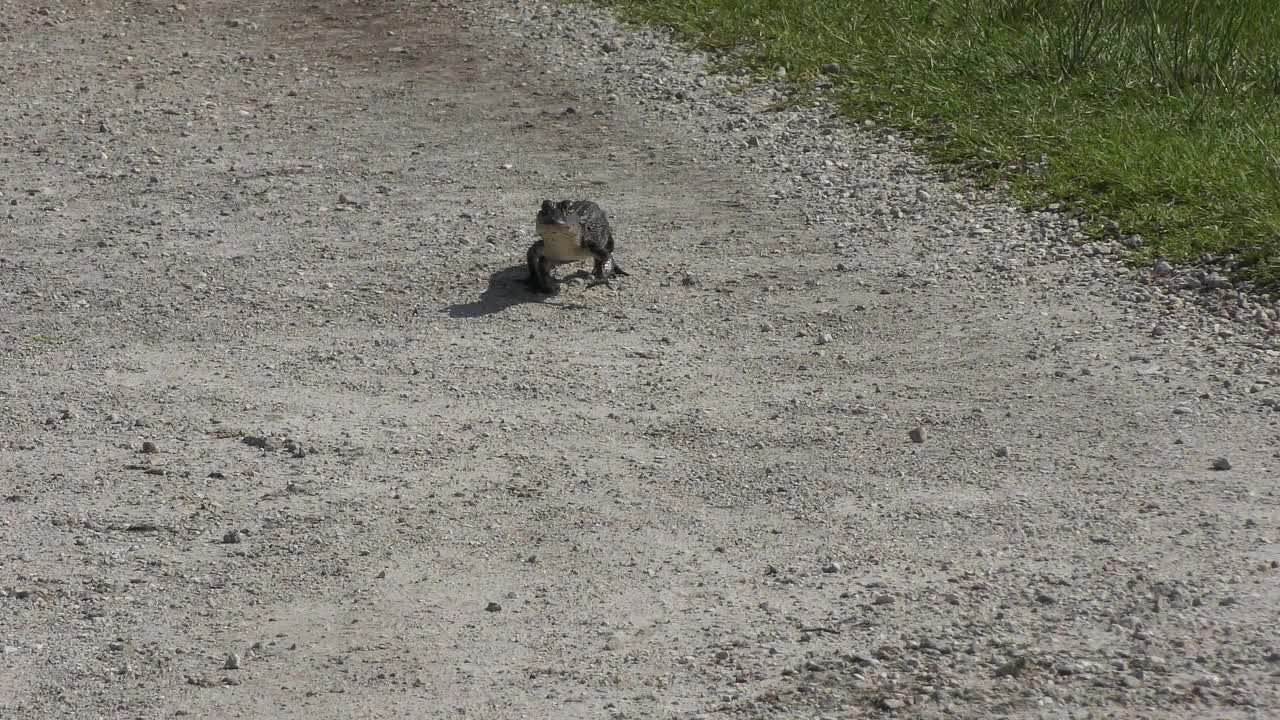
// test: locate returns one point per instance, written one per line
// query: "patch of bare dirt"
(283, 433)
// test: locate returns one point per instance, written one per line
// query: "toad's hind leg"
(606, 267)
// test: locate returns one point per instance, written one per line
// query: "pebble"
(1222, 464)
(1214, 281)
(149, 448)
(261, 441)
(1002, 451)
(825, 339)
(1012, 668)
(917, 435)
(493, 607)
(232, 537)
(831, 568)
(233, 661)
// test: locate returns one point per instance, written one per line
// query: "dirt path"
(270, 387)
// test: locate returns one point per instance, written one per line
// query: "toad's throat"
(563, 243)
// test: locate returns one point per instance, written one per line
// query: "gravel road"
(283, 434)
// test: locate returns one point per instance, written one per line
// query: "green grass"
(1158, 115)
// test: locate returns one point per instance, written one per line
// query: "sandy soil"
(283, 435)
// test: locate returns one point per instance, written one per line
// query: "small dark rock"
(917, 435)
(1222, 464)
(493, 607)
(262, 441)
(861, 659)
(149, 448)
(892, 703)
(1013, 668)
(1214, 281)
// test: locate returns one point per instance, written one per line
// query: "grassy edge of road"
(1157, 120)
